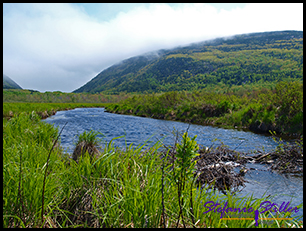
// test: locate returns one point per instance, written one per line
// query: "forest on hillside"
(228, 64)
(257, 58)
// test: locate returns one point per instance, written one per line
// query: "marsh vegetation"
(139, 186)
(114, 187)
(278, 109)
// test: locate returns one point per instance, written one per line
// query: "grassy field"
(43, 109)
(44, 187)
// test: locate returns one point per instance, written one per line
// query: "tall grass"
(118, 188)
(278, 109)
(26, 143)
(43, 109)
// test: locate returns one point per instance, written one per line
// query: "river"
(138, 130)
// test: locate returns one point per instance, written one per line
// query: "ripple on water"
(140, 129)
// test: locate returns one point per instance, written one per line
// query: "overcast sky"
(60, 47)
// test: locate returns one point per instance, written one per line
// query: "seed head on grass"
(88, 142)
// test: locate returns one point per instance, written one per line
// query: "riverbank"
(279, 110)
(114, 189)
(44, 110)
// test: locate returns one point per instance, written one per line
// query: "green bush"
(250, 105)
(224, 105)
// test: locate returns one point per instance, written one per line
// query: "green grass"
(46, 109)
(278, 109)
(89, 137)
(117, 188)
(26, 143)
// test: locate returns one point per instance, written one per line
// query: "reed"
(23, 177)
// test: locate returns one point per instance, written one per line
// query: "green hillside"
(242, 59)
(8, 83)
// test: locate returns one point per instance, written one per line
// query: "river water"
(138, 130)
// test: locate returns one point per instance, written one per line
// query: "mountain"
(236, 60)
(8, 83)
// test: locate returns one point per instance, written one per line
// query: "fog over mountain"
(235, 60)
(61, 46)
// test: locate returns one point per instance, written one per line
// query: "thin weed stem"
(19, 190)
(43, 191)
(162, 189)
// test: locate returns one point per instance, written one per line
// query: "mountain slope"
(248, 58)
(8, 83)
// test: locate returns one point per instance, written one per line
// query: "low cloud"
(50, 47)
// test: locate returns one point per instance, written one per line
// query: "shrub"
(87, 143)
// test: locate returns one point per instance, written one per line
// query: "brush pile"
(215, 167)
(221, 168)
(287, 158)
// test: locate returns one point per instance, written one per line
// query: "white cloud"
(60, 47)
